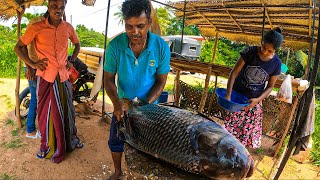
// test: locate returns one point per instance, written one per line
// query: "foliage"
(176, 25)
(7, 36)
(118, 15)
(315, 153)
(169, 88)
(296, 64)
(227, 52)
(90, 38)
(8, 61)
(163, 17)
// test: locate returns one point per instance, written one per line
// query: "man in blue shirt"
(142, 62)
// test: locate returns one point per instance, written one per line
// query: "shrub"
(8, 61)
(315, 153)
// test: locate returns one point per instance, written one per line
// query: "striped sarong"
(56, 118)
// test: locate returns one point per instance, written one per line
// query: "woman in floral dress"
(254, 76)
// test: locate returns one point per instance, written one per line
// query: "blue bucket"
(163, 97)
(238, 101)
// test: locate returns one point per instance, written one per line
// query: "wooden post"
(311, 34)
(277, 161)
(17, 90)
(288, 55)
(205, 91)
(295, 103)
(177, 88)
(212, 97)
(215, 47)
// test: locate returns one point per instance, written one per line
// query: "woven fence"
(275, 112)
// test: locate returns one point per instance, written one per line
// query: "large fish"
(189, 141)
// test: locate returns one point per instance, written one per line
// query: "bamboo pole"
(295, 103)
(215, 47)
(177, 88)
(103, 114)
(206, 87)
(17, 90)
(311, 34)
(301, 115)
(205, 91)
(212, 97)
(288, 55)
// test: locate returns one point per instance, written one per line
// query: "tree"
(227, 52)
(119, 16)
(176, 25)
(163, 17)
(89, 38)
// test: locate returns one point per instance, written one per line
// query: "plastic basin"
(163, 97)
(237, 102)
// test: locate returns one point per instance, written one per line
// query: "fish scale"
(184, 139)
(159, 122)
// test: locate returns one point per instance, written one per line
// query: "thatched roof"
(8, 8)
(242, 20)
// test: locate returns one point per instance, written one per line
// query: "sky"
(92, 17)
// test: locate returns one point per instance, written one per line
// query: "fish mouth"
(251, 168)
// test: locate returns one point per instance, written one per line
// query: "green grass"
(315, 153)
(15, 132)
(7, 101)
(13, 144)
(10, 122)
(6, 176)
(259, 151)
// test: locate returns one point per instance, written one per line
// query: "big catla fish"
(190, 141)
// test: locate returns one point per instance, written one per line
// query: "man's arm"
(76, 51)
(30, 72)
(23, 54)
(157, 88)
(111, 89)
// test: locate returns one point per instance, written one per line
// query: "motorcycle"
(81, 88)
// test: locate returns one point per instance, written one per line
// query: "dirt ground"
(18, 159)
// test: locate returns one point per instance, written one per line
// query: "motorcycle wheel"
(24, 99)
(82, 90)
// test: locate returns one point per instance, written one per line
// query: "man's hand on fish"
(119, 111)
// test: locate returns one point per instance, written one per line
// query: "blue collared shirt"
(135, 79)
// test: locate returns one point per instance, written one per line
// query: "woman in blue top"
(254, 76)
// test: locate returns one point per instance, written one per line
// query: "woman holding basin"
(254, 76)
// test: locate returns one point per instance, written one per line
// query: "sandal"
(79, 145)
(41, 154)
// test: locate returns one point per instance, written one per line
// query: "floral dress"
(246, 125)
